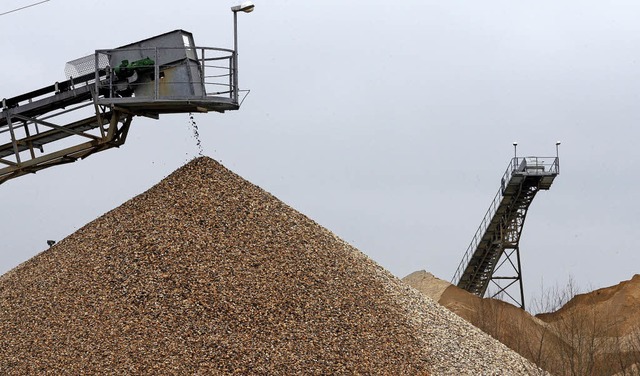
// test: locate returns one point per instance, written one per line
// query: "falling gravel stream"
(196, 134)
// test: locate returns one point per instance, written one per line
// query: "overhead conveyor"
(93, 109)
(495, 248)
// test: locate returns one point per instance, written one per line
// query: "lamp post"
(515, 154)
(246, 7)
(557, 156)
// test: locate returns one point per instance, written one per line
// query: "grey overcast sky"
(390, 123)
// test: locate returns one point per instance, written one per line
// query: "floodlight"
(246, 7)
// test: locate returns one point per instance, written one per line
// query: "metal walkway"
(92, 110)
(495, 245)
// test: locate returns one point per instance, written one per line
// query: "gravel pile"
(207, 274)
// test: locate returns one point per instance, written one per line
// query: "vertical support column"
(505, 282)
(113, 124)
(14, 142)
(29, 144)
(520, 278)
(235, 56)
(94, 95)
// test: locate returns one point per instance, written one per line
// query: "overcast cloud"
(389, 123)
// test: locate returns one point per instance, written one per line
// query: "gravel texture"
(208, 274)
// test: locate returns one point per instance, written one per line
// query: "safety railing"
(517, 166)
(169, 73)
(534, 166)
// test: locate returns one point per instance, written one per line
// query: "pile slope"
(516, 328)
(206, 273)
(603, 329)
(597, 333)
(618, 308)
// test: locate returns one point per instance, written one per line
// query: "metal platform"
(93, 110)
(495, 245)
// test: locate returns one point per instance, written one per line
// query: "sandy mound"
(427, 284)
(597, 333)
(207, 274)
(617, 307)
(603, 328)
(512, 326)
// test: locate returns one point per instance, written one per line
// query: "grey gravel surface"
(208, 274)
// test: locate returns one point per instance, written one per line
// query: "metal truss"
(508, 271)
(67, 142)
(40, 129)
(493, 257)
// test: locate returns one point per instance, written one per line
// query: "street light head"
(557, 143)
(246, 7)
(515, 143)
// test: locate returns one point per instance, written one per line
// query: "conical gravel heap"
(208, 274)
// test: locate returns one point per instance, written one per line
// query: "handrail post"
(235, 56)
(156, 75)
(202, 72)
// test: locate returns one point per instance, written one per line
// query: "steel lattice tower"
(493, 257)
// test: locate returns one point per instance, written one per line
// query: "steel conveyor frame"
(23, 117)
(495, 247)
(50, 116)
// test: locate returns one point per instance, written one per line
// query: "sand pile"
(208, 274)
(520, 331)
(603, 329)
(593, 334)
(617, 307)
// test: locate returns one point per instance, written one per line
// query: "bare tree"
(574, 336)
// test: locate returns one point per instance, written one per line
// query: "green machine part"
(127, 69)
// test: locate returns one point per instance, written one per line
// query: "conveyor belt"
(56, 87)
(73, 119)
(64, 94)
(499, 234)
